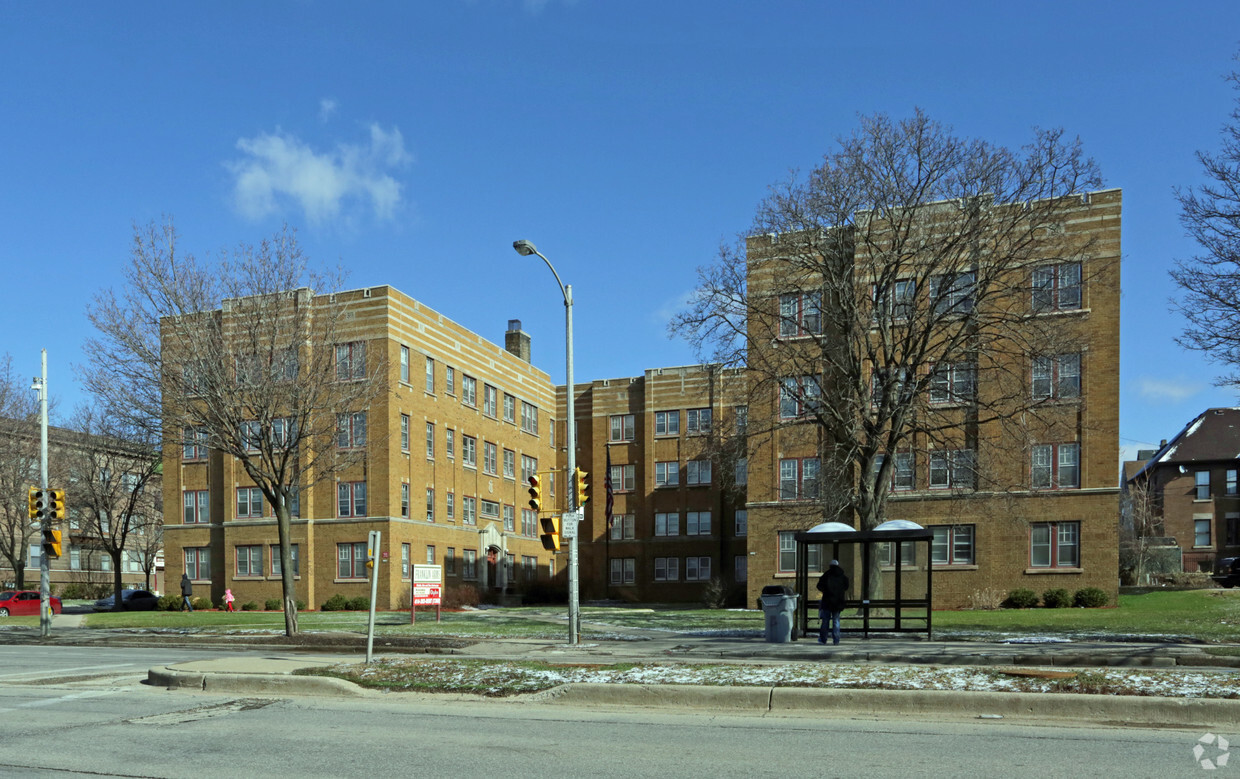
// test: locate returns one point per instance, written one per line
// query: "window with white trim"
(249, 502)
(490, 509)
(430, 374)
(351, 560)
(351, 361)
(952, 545)
(529, 417)
(1056, 377)
(449, 443)
(449, 379)
(697, 472)
(697, 421)
(469, 564)
(351, 430)
(697, 523)
(667, 569)
(469, 510)
(667, 524)
(623, 478)
(800, 313)
(404, 499)
(351, 499)
(510, 408)
(450, 505)
(742, 472)
(510, 518)
(430, 504)
(194, 446)
(469, 451)
(249, 560)
(952, 294)
(1201, 485)
(1055, 466)
(404, 364)
(624, 527)
(623, 570)
(406, 563)
(1055, 545)
(490, 400)
(1057, 287)
(667, 474)
(799, 396)
(953, 383)
(740, 568)
(510, 464)
(623, 428)
(741, 525)
(1201, 532)
(490, 458)
(787, 551)
(404, 434)
(469, 390)
(955, 469)
(697, 569)
(197, 504)
(197, 562)
(886, 554)
(277, 564)
(798, 478)
(667, 423)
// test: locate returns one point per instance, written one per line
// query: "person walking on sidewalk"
(228, 600)
(834, 586)
(187, 591)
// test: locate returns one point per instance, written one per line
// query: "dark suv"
(1228, 574)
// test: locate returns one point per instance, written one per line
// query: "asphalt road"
(106, 723)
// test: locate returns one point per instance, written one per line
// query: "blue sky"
(412, 142)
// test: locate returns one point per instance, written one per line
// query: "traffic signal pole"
(45, 584)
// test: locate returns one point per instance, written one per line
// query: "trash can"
(779, 604)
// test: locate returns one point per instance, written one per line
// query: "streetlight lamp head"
(524, 248)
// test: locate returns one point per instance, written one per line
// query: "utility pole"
(45, 525)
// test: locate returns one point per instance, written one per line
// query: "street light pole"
(525, 249)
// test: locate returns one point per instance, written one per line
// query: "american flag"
(611, 500)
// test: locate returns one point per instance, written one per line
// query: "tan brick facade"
(455, 509)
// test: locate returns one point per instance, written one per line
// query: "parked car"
(131, 600)
(23, 603)
(1228, 574)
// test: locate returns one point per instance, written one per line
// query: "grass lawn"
(1202, 615)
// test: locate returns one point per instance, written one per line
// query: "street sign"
(426, 595)
(568, 523)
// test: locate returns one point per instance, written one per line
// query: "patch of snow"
(1036, 640)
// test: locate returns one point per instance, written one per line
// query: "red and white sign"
(426, 595)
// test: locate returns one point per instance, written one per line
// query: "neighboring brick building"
(1193, 488)
(447, 447)
(676, 445)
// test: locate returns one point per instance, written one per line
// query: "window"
(623, 570)
(1056, 466)
(1201, 487)
(404, 433)
(430, 504)
(697, 523)
(469, 564)
(787, 551)
(449, 561)
(623, 478)
(197, 562)
(1231, 482)
(510, 518)
(622, 427)
(955, 383)
(404, 499)
(1057, 287)
(884, 380)
(697, 569)
(800, 313)
(529, 523)
(490, 400)
(1233, 528)
(404, 364)
(249, 502)
(893, 303)
(903, 476)
(529, 467)
(469, 451)
(249, 560)
(430, 554)
(799, 396)
(351, 430)
(490, 458)
(450, 505)
(667, 423)
(510, 408)
(952, 294)
(1201, 532)
(697, 421)
(667, 569)
(449, 443)
(798, 478)
(277, 565)
(697, 472)
(955, 469)
(1057, 377)
(952, 545)
(742, 419)
(1055, 545)
(742, 472)
(529, 417)
(405, 560)
(667, 524)
(469, 510)
(449, 379)
(351, 361)
(667, 474)
(75, 559)
(886, 550)
(197, 506)
(351, 499)
(510, 464)
(741, 527)
(351, 561)
(490, 509)
(469, 390)
(623, 528)
(194, 446)
(740, 568)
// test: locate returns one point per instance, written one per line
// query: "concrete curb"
(1097, 709)
(257, 683)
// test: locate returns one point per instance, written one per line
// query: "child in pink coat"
(228, 600)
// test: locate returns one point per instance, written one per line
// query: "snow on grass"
(498, 678)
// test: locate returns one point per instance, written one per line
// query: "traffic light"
(535, 493)
(551, 533)
(55, 507)
(34, 500)
(582, 485)
(51, 544)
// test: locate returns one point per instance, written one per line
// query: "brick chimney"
(516, 341)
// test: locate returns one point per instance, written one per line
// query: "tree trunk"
(117, 586)
(287, 584)
(19, 570)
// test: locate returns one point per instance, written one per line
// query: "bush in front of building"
(273, 604)
(336, 602)
(360, 603)
(249, 606)
(1090, 598)
(169, 602)
(202, 604)
(1022, 598)
(986, 599)
(1056, 599)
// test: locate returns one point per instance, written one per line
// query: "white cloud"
(327, 109)
(1168, 389)
(279, 170)
(673, 306)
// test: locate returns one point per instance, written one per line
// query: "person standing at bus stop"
(834, 587)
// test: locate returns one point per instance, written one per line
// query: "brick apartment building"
(447, 444)
(1192, 487)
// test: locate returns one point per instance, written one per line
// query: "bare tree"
(113, 471)
(1210, 280)
(238, 355)
(1142, 546)
(880, 305)
(19, 468)
(147, 544)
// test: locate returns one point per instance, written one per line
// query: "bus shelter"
(901, 552)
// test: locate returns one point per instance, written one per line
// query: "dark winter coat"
(834, 586)
(187, 587)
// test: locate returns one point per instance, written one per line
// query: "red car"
(23, 603)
